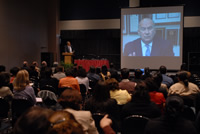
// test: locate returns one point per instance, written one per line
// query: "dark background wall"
(106, 43)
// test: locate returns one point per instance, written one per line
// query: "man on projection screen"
(148, 44)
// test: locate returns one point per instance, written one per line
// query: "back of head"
(98, 70)
(138, 73)
(48, 72)
(14, 71)
(183, 76)
(81, 72)
(125, 73)
(147, 71)
(104, 69)
(92, 69)
(101, 91)
(21, 80)
(163, 70)
(44, 64)
(158, 79)
(70, 98)
(59, 69)
(33, 121)
(69, 72)
(151, 84)
(173, 107)
(4, 79)
(112, 84)
(112, 65)
(141, 93)
(63, 122)
(2, 68)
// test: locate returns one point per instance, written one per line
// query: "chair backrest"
(134, 124)
(48, 97)
(19, 106)
(4, 108)
(97, 117)
(50, 88)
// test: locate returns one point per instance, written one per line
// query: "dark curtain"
(94, 44)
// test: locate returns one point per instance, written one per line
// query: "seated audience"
(59, 73)
(126, 84)
(82, 78)
(166, 79)
(93, 77)
(155, 96)
(105, 124)
(22, 87)
(71, 101)
(101, 103)
(69, 80)
(147, 73)
(33, 121)
(137, 76)
(105, 74)
(172, 121)
(162, 87)
(49, 83)
(2, 68)
(63, 122)
(113, 72)
(13, 72)
(184, 88)
(141, 103)
(4, 85)
(121, 96)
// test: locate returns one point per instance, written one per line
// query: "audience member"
(138, 75)
(13, 72)
(184, 88)
(93, 77)
(25, 65)
(105, 124)
(4, 82)
(71, 101)
(2, 68)
(126, 84)
(33, 121)
(147, 73)
(49, 83)
(101, 103)
(105, 74)
(82, 78)
(54, 66)
(69, 81)
(155, 96)
(22, 87)
(166, 79)
(141, 103)
(162, 87)
(63, 122)
(121, 96)
(171, 122)
(59, 73)
(113, 72)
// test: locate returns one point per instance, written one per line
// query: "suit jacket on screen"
(160, 47)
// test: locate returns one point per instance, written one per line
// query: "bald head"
(146, 30)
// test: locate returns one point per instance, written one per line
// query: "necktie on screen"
(147, 51)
